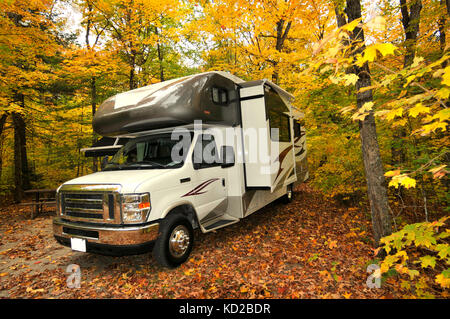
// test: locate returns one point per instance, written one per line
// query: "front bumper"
(107, 239)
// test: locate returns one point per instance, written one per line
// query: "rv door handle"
(185, 180)
(223, 182)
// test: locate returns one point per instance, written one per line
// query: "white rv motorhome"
(202, 151)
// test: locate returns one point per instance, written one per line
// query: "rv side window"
(205, 152)
(297, 129)
(276, 108)
(219, 96)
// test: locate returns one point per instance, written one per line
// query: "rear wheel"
(174, 244)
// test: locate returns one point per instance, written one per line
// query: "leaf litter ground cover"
(311, 248)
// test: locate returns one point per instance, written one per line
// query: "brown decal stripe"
(300, 152)
(281, 158)
(198, 189)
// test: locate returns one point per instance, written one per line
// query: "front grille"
(89, 206)
(80, 232)
(84, 215)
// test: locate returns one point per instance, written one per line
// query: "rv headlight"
(135, 207)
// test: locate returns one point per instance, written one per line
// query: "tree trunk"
(281, 37)
(132, 83)
(2, 126)
(21, 173)
(442, 27)
(93, 86)
(410, 22)
(94, 109)
(160, 57)
(442, 22)
(376, 185)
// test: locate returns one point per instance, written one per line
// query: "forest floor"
(311, 248)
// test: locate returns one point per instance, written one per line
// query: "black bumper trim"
(111, 250)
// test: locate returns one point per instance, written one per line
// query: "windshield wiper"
(148, 163)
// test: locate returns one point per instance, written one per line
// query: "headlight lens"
(135, 207)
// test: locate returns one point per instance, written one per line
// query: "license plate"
(78, 244)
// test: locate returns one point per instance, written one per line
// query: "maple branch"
(412, 83)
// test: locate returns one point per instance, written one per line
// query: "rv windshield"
(149, 152)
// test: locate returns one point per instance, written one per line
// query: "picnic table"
(39, 201)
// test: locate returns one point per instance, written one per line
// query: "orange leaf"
(332, 244)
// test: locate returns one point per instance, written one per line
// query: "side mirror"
(105, 161)
(197, 165)
(227, 156)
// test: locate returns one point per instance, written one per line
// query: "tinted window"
(297, 130)
(276, 108)
(154, 151)
(205, 152)
(219, 96)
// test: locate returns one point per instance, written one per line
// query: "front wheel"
(175, 241)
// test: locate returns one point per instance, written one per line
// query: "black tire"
(173, 253)
(289, 196)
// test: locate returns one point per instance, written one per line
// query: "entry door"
(209, 179)
(260, 154)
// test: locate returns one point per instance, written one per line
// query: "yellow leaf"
(442, 115)
(404, 180)
(409, 79)
(367, 88)
(419, 108)
(381, 112)
(350, 79)
(443, 281)
(446, 76)
(393, 113)
(366, 107)
(443, 93)
(416, 61)
(386, 48)
(392, 173)
(346, 109)
(370, 53)
(352, 25)
(428, 261)
(359, 116)
(189, 272)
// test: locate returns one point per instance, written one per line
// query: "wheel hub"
(179, 241)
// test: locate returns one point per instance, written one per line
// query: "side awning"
(105, 146)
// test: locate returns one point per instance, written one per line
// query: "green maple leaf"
(428, 261)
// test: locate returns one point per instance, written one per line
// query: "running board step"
(219, 222)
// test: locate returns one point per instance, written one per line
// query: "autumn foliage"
(60, 59)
